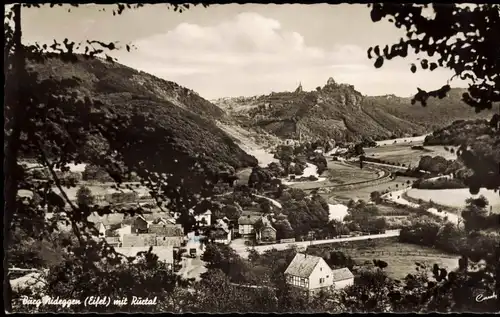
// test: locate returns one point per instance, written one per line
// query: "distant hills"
(181, 124)
(340, 112)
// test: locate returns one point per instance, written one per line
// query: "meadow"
(365, 191)
(400, 257)
(339, 173)
(102, 189)
(403, 153)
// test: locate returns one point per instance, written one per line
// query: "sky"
(244, 50)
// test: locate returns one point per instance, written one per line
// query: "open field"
(392, 210)
(337, 174)
(454, 197)
(341, 173)
(413, 139)
(101, 190)
(400, 257)
(364, 192)
(403, 153)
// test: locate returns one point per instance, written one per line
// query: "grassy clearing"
(403, 153)
(400, 257)
(101, 190)
(386, 210)
(364, 192)
(339, 173)
(454, 197)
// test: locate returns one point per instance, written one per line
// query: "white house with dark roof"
(342, 278)
(312, 274)
(246, 224)
(205, 218)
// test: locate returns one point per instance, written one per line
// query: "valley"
(340, 194)
(248, 158)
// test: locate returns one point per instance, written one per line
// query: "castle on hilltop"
(330, 82)
(299, 89)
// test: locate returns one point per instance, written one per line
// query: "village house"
(106, 224)
(312, 274)
(167, 234)
(246, 225)
(113, 241)
(123, 230)
(139, 240)
(220, 235)
(220, 232)
(141, 223)
(342, 278)
(204, 218)
(264, 231)
(165, 254)
(101, 228)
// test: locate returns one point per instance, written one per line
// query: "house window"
(321, 280)
(321, 269)
(303, 282)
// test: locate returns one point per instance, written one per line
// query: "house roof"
(342, 274)
(166, 230)
(139, 240)
(165, 254)
(248, 220)
(221, 224)
(155, 217)
(302, 265)
(267, 226)
(170, 241)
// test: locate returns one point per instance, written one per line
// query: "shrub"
(442, 183)
(119, 198)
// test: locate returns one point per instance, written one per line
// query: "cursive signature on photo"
(481, 297)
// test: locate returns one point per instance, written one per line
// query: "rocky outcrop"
(338, 111)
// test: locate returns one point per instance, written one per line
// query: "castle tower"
(299, 89)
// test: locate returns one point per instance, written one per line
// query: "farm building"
(312, 274)
(265, 232)
(246, 224)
